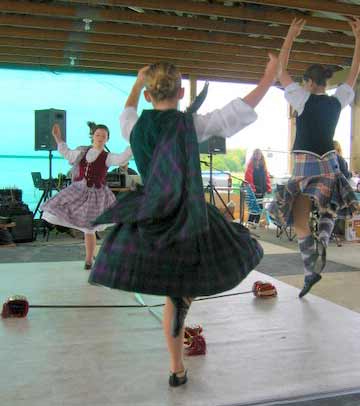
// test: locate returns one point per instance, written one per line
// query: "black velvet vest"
(316, 125)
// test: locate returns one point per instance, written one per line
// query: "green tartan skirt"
(205, 264)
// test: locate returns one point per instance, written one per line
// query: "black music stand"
(211, 189)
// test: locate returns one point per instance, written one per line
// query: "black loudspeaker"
(214, 145)
(44, 121)
(24, 229)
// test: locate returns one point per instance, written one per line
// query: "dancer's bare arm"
(64, 150)
(268, 79)
(295, 29)
(133, 99)
(56, 132)
(354, 70)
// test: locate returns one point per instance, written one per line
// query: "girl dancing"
(168, 241)
(87, 197)
(316, 178)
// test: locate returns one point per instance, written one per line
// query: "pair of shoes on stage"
(178, 378)
(309, 282)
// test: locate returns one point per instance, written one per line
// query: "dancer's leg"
(175, 312)
(175, 344)
(90, 245)
(326, 226)
(301, 214)
(309, 254)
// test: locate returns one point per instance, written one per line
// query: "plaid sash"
(170, 206)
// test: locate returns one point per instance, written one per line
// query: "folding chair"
(281, 229)
(255, 206)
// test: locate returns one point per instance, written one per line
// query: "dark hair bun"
(318, 74)
(92, 126)
(328, 73)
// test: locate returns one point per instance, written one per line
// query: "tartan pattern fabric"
(167, 240)
(206, 264)
(78, 205)
(171, 205)
(321, 180)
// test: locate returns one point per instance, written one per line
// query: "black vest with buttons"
(315, 126)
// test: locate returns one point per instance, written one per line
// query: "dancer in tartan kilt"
(316, 178)
(167, 240)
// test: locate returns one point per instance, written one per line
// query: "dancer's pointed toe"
(309, 282)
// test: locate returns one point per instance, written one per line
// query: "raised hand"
(355, 65)
(355, 26)
(133, 99)
(296, 27)
(140, 80)
(273, 67)
(56, 132)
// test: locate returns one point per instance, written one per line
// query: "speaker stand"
(47, 191)
(46, 195)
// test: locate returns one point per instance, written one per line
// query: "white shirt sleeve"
(128, 118)
(111, 159)
(296, 96)
(119, 159)
(345, 94)
(67, 153)
(224, 122)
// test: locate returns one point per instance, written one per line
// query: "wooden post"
(193, 83)
(355, 132)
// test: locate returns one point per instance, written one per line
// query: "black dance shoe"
(176, 380)
(309, 281)
(88, 266)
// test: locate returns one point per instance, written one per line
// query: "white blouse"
(297, 96)
(111, 159)
(224, 122)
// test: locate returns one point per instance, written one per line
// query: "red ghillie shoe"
(197, 346)
(15, 306)
(191, 332)
(264, 289)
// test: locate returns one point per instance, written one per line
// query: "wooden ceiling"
(208, 39)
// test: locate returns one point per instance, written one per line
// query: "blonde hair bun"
(163, 81)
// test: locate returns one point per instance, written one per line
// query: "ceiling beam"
(149, 32)
(242, 13)
(155, 54)
(154, 43)
(120, 68)
(311, 5)
(182, 64)
(85, 70)
(156, 19)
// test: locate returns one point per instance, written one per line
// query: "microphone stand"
(212, 199)
(211, 188)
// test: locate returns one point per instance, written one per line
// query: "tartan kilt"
(322, 181)
(209, 263)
